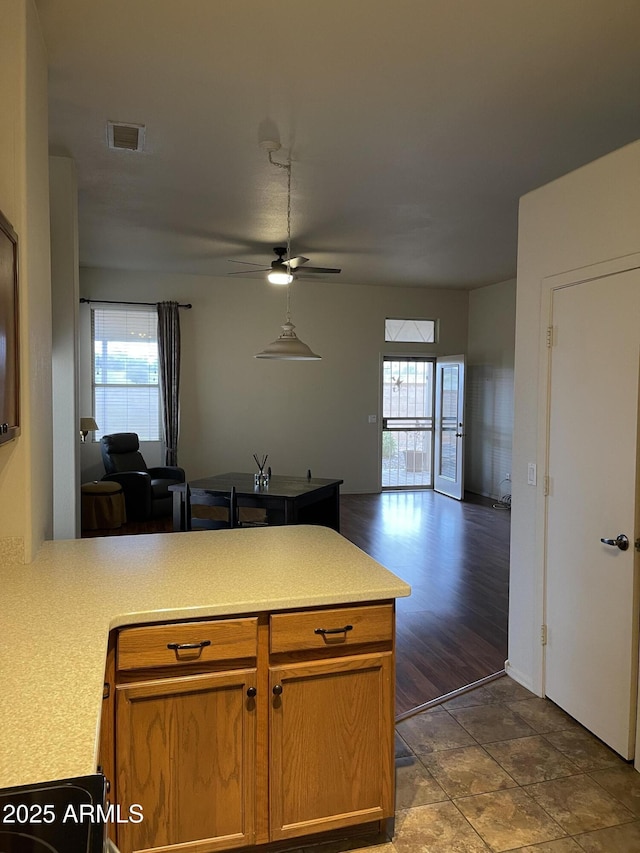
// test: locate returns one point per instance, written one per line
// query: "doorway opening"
(407, 422)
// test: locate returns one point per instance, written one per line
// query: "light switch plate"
(532, 474)
(373, 419)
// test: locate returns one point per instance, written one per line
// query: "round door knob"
(277, 689)
(251, 692)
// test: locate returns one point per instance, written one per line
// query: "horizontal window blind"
(126, 392)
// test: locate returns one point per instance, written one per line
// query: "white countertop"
(56, 614)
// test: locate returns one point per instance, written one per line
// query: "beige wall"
(489, 415)
(303, 414)
(25, 464)
(65, 311)
(587, 217)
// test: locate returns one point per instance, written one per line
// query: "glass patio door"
(407, 422)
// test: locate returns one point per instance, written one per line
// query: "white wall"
(589, 216)
(25, 464)
(303, 414)
(489, 415)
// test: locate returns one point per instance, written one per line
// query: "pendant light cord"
(288, 345)
(287, 167)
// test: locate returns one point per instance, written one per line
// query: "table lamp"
(87, 425)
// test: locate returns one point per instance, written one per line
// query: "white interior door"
(449, 427)
(591, 588)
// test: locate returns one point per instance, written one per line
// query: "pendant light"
(287, 345)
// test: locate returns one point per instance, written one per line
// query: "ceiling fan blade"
(321, 269)
(249, 263)
(250, 272)
(296, 262)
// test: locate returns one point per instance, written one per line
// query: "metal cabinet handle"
(277, 689)
(251, 692)
(621, 542)
(342, 630)
(179, 647)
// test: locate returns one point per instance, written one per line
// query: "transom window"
(410, 331)
(126, 391)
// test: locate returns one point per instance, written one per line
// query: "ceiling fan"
(284, 270)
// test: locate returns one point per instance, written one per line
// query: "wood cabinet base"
(294, 739)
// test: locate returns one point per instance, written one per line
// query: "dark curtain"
(169, 357)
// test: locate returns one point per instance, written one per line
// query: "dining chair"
(251, 512)
(215, 520)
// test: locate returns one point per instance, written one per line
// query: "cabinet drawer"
(186, 642)
(324, 629)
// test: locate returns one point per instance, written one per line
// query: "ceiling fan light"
(279, 277)
(288, 347)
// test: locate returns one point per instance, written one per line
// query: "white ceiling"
(413, 126)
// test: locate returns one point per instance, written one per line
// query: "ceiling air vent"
(128, 136)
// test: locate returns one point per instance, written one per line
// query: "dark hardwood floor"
(131, 528)
(452, 630)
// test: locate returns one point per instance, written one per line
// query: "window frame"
(436, 330)
(154, 414)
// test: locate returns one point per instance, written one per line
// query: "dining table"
(285, 499)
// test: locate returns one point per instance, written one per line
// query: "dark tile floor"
(499, 769)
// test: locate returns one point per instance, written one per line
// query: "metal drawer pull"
(334, 630)
(179, 647)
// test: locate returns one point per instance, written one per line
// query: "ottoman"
(102, 505)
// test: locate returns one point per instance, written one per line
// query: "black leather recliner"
(146, 490)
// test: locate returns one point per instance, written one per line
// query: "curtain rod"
(122, 302)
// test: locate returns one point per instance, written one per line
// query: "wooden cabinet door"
(331, 728)
(186, 752)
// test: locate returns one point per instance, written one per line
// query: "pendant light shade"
(288, 346)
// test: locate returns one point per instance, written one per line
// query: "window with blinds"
(126, 393)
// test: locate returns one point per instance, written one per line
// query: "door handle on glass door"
(621, 542)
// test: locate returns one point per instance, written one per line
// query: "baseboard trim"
(433, 703)
(520, 677)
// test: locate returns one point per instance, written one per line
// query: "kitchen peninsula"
(274, 628)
